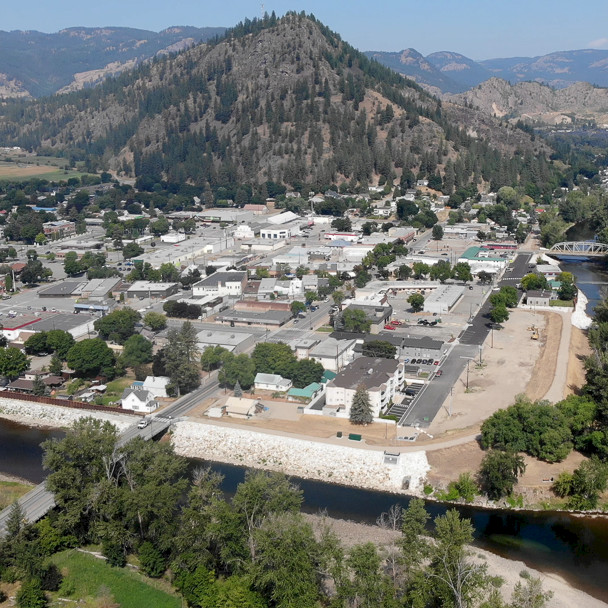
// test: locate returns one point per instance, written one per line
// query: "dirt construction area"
(515, 364)
(550, 368)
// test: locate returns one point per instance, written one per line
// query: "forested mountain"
(34, 63)
(282, 100)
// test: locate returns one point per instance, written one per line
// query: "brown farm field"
(45, 167)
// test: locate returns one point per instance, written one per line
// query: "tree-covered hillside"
(284, 100)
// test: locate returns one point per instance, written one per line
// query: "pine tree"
(361, 410)
(238, 391)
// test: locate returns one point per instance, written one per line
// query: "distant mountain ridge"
(33, 64)
(537, 103)
(454, 73)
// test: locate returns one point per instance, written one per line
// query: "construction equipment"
(534, 335)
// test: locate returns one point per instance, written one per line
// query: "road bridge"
(578, 249)
(39, 501)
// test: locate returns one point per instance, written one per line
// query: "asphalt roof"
(370, 372)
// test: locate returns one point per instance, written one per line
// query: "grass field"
(91, 577)
(10, 491)
(14, 172)
(25, 167)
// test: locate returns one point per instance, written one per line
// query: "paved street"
(429, 401)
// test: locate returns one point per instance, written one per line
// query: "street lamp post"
(469, 359)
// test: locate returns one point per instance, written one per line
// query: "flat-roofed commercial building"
(147, 289)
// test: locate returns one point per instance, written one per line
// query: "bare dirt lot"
(542, 379)
(515, 364)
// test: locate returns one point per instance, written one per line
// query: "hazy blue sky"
(480, 29)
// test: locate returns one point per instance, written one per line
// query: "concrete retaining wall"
(342, 464)
(39, 414)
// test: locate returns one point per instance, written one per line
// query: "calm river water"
(574, 547)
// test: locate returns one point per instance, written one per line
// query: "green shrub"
(151, 559)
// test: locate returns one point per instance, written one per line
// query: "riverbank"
(564, 595)
(341, 464)
(40, 415)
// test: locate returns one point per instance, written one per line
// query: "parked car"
(389, 327)
(436, 362)
(395, 322)
(406, 360)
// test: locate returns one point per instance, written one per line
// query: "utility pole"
(469, 359)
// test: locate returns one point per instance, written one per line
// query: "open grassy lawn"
(10, 491)
(568, 303)
(91, 577)
(115, 389)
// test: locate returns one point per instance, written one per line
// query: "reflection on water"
(575, 548)
(20, 451)
(591, 279)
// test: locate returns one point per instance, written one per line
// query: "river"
(574, 547)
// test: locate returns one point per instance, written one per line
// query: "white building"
(173, 237)
(443, 299)
(272, 382)
(281, 231)
(138, 400)
(243, 232)
(332, 354)
(157, 386)
(229, 283)
(381, 377)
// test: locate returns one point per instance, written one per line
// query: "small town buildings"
(306, 394)
(138, 400)
(272, 382)
(173, 237)
(378, 315)
(148, 289)
(421, 347)
(539, 298)
(269, 319)
(12, 325)
(333, 354)
(59, 229)
(281, 232)
(381, 377)
(443, 299)
(157, 386)
(549, 271)
(243, 232)
(233, 342)
(225, 283)
(284, 218)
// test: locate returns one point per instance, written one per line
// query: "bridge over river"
(579, 249)
(39, 501)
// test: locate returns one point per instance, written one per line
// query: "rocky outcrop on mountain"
(538, 103)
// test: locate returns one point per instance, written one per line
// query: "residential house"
(157, 385)
(138, 400)
(272, 382)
